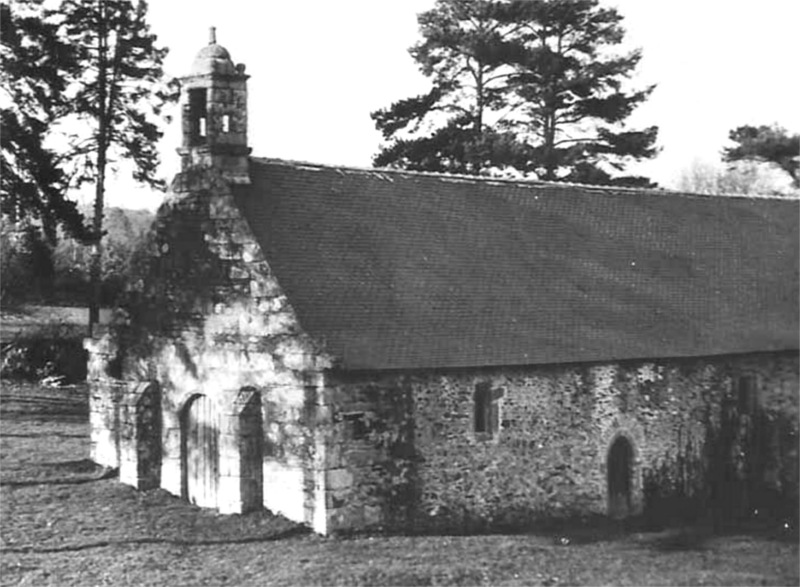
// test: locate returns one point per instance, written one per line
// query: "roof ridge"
(520, 182)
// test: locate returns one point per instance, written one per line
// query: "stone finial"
(212, 35)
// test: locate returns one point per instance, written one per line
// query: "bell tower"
(214, 111)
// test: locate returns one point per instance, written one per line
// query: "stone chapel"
(377, 348)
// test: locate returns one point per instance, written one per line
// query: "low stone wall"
(105, 393)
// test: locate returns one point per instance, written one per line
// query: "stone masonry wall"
(105, 395)
(418, 459)
(369, 452)
(211, 320)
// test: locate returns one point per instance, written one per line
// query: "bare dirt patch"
(65, 522)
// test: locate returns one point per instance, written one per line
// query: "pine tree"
(120, 95)
(771, 144)
(36, 66)
(90, 73)
(465, 50)
(572, 100)
(529, 85)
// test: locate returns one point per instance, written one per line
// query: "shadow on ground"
(63, 473)
(282, 535)
(682, 535)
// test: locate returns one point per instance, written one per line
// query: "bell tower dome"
(214, 99)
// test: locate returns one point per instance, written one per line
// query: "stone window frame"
(487, 411)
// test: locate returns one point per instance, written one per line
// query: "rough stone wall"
(370, 445)
(549, 457)
(105, 394)
(139, 442)
(211, 320)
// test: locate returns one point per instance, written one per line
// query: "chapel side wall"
(212, 320)
(556, 426)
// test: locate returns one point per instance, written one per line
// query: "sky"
(319, 67)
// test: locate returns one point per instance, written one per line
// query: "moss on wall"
(211, 320)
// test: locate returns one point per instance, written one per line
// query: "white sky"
(319, 67)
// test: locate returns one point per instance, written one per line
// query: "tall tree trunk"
(549, 145)
(95, 271)
(478, 127)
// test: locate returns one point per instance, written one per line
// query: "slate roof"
(403, 270)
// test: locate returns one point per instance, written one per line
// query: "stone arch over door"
(620, 477)
(140, 436)
(200, 451)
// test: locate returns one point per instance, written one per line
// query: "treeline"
(35, 271)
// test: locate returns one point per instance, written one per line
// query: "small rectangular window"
(226, 123)
(487, 409)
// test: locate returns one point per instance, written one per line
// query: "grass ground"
(51, 321)
(65, 522)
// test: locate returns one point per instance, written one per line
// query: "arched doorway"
(620, 478)
(200, 452)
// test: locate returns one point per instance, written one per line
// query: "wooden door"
(620, 470)
(202, 453)
(251, 447)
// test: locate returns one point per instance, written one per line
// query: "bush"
(71, 288)
(26, 264)
(34, 359)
